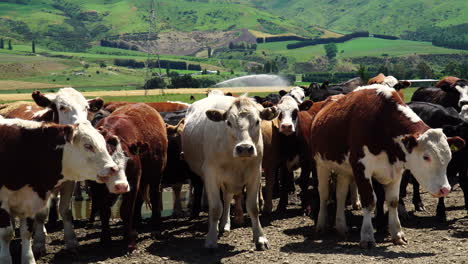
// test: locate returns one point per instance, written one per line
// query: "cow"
(391, 82)
(437, 116)
(222, 143)
(376, 141)
(37, 158)
(448, 94)
(142, 135)
(158, 106)
(67, 106)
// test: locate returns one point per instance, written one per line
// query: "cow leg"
(66, 193)
(105, 213)
(323, 187)
(463, 180)
(238, 210)
(261, 242)
(6, 235)
(342, 187)
(392, 196)
(286, 177)
(355, 201)
(226, 218)
(176, 190)
(127, 211)
(26, 227)
(39, 242)
(156, 203)
(418, 205)
(402, 212)
(197, 185)
(368, 199)
(269, 184)
(380, 221)
(215, 210)
(441, 210)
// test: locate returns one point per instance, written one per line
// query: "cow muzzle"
(444, 191)
(245, 150)
(108, 172)
(287, 129)
(121, 187)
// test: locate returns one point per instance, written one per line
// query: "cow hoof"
(262, 244)
(367, 244)
(400, 241)
(420, 207)
(442, 218)
(178, 214)
(357, 206)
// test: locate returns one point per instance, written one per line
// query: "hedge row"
(328, 40)
(280, 38)
(327, 76)
(177, 65)
(385, 37)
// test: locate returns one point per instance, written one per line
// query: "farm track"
(291, 241)
(236, 90)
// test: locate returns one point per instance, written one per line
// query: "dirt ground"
(290, 236)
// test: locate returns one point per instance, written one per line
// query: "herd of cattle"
(352, 137)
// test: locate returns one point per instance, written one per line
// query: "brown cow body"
(158, 106)
(363, 141)
(142, 132)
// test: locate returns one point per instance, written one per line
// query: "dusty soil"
(19, 85)
(291, 241)
(236, 90)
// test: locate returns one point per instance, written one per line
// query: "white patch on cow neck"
(298, 94)
(178, 102)
(28, 124)
(40, 113)
(24, 202)
(464, 113)
(121, 160)
(463, 94)
(409, 113)
(381, 89)
(379, 167)
(28, 108)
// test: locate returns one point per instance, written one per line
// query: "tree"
(33, 46)
(452, 68)
(267, 67)
(2, 45)
(155, 83)
(9, 45)
(331, 50)
(218, 72)
(209, 52)
(363, 72)
(424, 70)
(274, 67)
(232, 72)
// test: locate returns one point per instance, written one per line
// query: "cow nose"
(114, 170)
(444, 191)
(121, 188)
(245, 150)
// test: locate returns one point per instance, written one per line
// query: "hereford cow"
(67, 106)
(36, 158)
(222, 143)
(158, 106)
(142, 135)
(391, 82)
(376, 141)
(448, 94)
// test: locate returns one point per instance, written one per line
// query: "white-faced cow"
(222, 143)
(36, 158)
(450, 92)
(67, 106)
(377, 140)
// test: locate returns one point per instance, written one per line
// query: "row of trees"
(242, 46)
(2, 44)
(179, 81)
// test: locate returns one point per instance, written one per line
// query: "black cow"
(448, 94)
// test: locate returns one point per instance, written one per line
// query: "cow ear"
(216, 115)
(267, 104)
(95, 104)
(171, 130)
(410, 142)
(282, 93)
(41, 99)
(269, 113)
(456, 143)
(306, 105)
(258, 99)
(402, 85)
(139, 148)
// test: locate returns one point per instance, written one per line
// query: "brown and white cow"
(67, 106)
(377, 140)
(222, 143)
(36, 158)
(158, 106)
(142, 135)
(391, 82)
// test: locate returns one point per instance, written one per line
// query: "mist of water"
(254, 80)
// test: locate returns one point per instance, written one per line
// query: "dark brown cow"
(392, 82)
(449, 92)
(447, 81)
(142, 133)
(375, 141)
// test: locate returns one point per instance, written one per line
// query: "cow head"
(459, 87)
(69, 104)
(427, 158)
(242, 121)
(288, 108)
(85, 156)
(298, 94)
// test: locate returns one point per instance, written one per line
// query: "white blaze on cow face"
(390, 81)
(119, 183)
(298, 94)
(428, 162)
(71, 105)
(86, 156)
(243, 125)
(463, 90)
(288, 115)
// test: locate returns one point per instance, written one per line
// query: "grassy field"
(356, 48)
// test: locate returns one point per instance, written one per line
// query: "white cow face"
(242, 121)
(70, 105)
(298, 94)
(463, 91)
(287, 118)
(118, 183)
(85, 156)
(428, 157)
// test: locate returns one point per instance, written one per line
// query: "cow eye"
(427, 158)
(229, 124)
(257, 123)
(63, 108)
(294, 114)
(89, 147)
